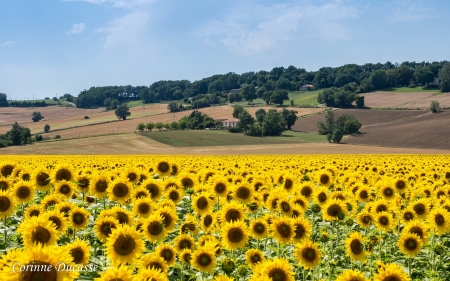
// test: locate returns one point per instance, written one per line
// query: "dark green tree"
(114, 104)
(266, 96)
(159, 125)
(123, 111)
(18, 134)
(337, 135)
(3, 100)
(260, 115)
(237, 110)
(36, 116)
(245, 120)
(140, 127)
(149, 126)
(273, 124)
(444, 77)
(327, 127)
(290, 116)
(279, 96)
(423, 76)
(46, 128)
(249, 92)
(360, 101)
(107, 102)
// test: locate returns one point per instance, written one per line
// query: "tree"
(279, 96)
(260, 115)
(107, 102)
(36, 117)
(237, 110)
(140, 127)
(159, 125)
(423, 76)
(337, 136)
(174, 106)
(182, 124)
(149, 126)
(444, 77)
(273, 124)
(123, 111)
(290, 116)
(166, 126)
(3, 100)
(378, 79)
(255, 130)
(434, 106)
(249, 92)
(174, 125)
(18, 134)
(46, 128)
(348, 124)
(114, 104)
(245, 120)
(327, 127)
(266, 96)
(360, 101)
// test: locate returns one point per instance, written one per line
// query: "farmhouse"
(230, 123)
(306, 87)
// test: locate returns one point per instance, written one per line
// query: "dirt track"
(136, 144)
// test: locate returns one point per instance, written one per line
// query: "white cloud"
(7, 43)
(77, 28)
(116, 3)
(125, 30)
(411, 10)
(254, 28)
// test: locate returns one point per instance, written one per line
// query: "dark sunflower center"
(83, 183)
(77, 254)
(306, 191)
(204, 259)
(78, 218)
(153, 189)
(155, 228)
(101, 186)
(356, 247)
(419, 209)
(64, 189)
(167, 255)
(167, 219)
(400, 184)
(299, 231)
(274, 203)
(255, 258)
(155, 265)
(411, 244)
(34, 213)
(259, 228)
(388, 192)
(124, 245)
(417, 230)
(4, 203)
(232, 215)
(207, 221)
(50, 203)
(56, 221)
(187, 182)
(408, 216)
(364, 194)
(106, 228)
(243, 192)
(288, 184)
(439, 219)
(38, 271)
(309, 254)
(144, 208)
(40, 235)
(324, 179)
(42, 179)
(381, 208)
(26, 177)
(132, 176)
(277, 274)
(174, 195)
(120, 190)
(140, 194)
(187, 257)
(285, 206)
(202, 203)
(334, 210)
(383, 220)
(63, 174)
(185, 244)
(257, 186)
(284, 230)
(90, 199)
(322, 197)
(7, 170)
(367, 219)
(163, 167)
(235, 235)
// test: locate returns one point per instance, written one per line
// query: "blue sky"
(50, 47)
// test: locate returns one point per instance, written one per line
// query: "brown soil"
(405, 100)
(137, 144)
(428, 131)
(366, 117)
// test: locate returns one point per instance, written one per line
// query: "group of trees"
(270, 123)
(195, 121)
(16, 136)
(341, 97)
(336, 128)
(36, 116)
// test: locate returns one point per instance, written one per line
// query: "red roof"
(231, 120)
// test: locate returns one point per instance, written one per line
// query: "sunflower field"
(280, 218)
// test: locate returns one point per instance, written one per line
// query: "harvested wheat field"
(405, 100)
(428, 131)
(138, 144)
(129, 125)
(366, 117)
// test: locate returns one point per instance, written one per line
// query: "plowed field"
(405, 100)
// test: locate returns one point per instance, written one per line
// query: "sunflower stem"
(5, 232)
(409, 266)
(104, 203)
(304, 274)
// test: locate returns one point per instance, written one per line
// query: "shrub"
(234, 130)
(360, 101)
(352, 127)
(57, 137)
(46, 128)
(86, 117)
(434, 106)
(36, 117)
(255, 130)
(38, 137)
(337, 136)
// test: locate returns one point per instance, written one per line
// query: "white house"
(230, 123)
(435, 82)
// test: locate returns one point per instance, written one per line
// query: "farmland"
(410, 100)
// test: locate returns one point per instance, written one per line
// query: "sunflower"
(103, 227)
(285, 206)
(417, 227)
(302, 229)
(220, 186)
(52, 199)
(163, 167)
(203, 259)
(119, 190)
(421, 207)
(116, 274)
(391, 272)
(153, 228)
(320, 195)
(142, 207)
(355, 249)
(41, 179)
(151, 274)
(410, 244)
(202, 203)
(7, 204)
(78, 218)
(381, 206)
(243, 192)
(439, 220)
(186, 180)
(351, 275)
(364, 218)
(363, 194)
(384, 221)
(307, 254)
(306, 190)
(333, 209)
(33, 211)
(7, 169)
(400, 184)
(189, 225)
(153, 261)
(208, 222)
(170, 217)
(232, 211)
(62, 172)
(38, 230)
(140, 192)
(167, 253)
(51, 258)
(124, 245)
(324, 178)
(23, 191)
(387, 191)
(277, 269)
(301, 201)
(235, 235)
(83, 183)
(58, 219)
(99, 186)
(407, 215)
(282, 229)
(184, 241)
(80, 251)
(123, 215)
(174, 194)
(253, 257)
(259, 228)
(185, 256)
(65, 188)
